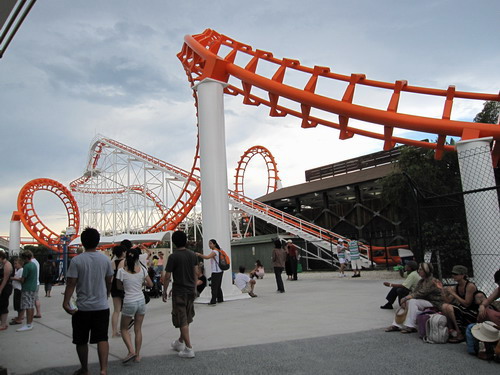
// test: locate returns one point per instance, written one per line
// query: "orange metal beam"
(200, 59)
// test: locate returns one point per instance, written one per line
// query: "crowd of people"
(92, 277)
(468, 311)
(20, 278)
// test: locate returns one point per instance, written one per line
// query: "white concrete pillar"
(15, 234)
(214, 186)
(482, 209)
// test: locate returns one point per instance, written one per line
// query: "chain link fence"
(482, 211)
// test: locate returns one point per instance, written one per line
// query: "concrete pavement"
(322, 324)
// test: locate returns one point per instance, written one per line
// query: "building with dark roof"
(345, 197)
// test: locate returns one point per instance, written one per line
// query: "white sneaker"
(187, 353)
(178, 346)
(27, 327)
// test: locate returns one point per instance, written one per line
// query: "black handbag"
(147, 298)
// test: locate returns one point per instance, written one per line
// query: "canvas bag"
(436, 330)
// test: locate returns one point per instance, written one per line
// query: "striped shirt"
(354, 249)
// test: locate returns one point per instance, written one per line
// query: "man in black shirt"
(182, 265)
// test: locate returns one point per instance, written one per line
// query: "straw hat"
(486, 332)
(400, 315)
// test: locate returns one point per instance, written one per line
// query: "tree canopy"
(489, 114)
(422, 191)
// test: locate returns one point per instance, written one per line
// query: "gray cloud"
(75, 70)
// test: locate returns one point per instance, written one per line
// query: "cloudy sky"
(85, 67)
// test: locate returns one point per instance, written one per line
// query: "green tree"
(421, 192)
(489, 114)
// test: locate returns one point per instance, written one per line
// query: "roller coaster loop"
(32, 221)
(272, 169)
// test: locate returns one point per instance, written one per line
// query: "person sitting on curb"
(402, 290)
(244, 283)
(485, 311)
(427, 293)
(460, 308)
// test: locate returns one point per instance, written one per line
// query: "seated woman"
(486, 310)
(461, 308)
(258, 271)
(201, 283)
(427, 293)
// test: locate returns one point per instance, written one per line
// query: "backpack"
(224, 260)
(436, 330)
(422, 319)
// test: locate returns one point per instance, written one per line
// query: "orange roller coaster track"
(272, 169)
(32, 221)
(199, 56)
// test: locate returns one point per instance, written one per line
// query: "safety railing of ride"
(302, 225)
(179, 209)
(305, 226)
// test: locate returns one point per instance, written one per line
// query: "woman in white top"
(217, 273)
(131, 278)
(16, 284)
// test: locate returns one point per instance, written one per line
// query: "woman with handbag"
(131, 278)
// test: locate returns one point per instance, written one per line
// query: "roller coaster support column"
(214, 186)
(482, 209)
(15, 234)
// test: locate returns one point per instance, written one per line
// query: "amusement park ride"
(124, 189)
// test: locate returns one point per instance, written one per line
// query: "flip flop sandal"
(409, 330)
(128, 359)
(14, 322)
(3, 328)
(456, 340)
(392, 329)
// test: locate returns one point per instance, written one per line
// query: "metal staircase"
(320, 237)
(4, 243)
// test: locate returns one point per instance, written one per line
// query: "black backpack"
(223, 260)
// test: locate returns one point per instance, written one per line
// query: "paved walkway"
(322, 325)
